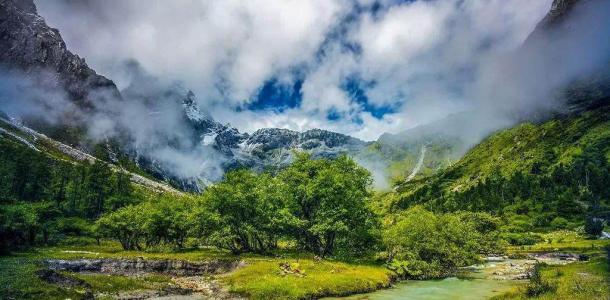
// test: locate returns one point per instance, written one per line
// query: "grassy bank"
(588, 280)
(286, 275)
(564, 241)
(18, 280)
(305, 279)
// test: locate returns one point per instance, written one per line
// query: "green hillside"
(559, 168)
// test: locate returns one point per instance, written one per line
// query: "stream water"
(449, 288)
(474, 284)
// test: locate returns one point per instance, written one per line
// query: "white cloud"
(422, 56)
(238, 43)
(401, 34)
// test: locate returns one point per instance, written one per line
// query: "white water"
(420, 163)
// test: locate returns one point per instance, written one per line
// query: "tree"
(126, 225)
(121, 193)
(18, 225)
(97, 188)
(422, 244)
(249, 211)
(329, 200)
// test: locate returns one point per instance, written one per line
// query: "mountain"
(31, 46)
(432, 147)
(558, 167)
(174, 123)
(161, 129)
(28, 140)
(585, 92)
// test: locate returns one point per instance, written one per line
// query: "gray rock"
(131, 266)
(29, 45)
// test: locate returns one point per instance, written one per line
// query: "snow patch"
(209, 139)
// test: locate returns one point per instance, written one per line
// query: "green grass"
(18, 280)
(111, 249)
(562, 241)
(263, 279)
(587, 281)
(105, 283)
(260, 278)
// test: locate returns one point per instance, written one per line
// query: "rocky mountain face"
(560, 9)
(584, 93)
(29, 45)
(273, 147)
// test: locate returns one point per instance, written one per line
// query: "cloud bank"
(362, 67)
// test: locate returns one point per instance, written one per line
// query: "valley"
(493, 181)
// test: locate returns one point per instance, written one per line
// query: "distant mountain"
(178, 126)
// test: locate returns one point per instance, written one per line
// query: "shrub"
(537, 285)
(559, 223)
(594, 227)
(422, 244)
(521, 239)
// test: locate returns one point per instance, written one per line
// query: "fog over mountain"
(356, 67)
(190, 89)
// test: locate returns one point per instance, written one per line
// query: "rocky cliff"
(29, 45)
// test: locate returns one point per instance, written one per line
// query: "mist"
(414, 64)
(149, 119)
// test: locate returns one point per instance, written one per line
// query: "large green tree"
(329, 199)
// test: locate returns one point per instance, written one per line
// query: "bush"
(162, 221)
(422, 244)
(594, 227)
(537, 285)
(559, 223)
(521, 239)
(74, 226)
(125, 225)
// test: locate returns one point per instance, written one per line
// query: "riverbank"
(580, 280)
(107, 272)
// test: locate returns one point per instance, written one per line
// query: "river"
(474, 284)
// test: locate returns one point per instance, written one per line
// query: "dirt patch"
(62, 280)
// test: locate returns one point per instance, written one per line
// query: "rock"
(31, 46)
(54, 277)
(131, 266)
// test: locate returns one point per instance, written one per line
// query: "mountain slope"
(557, 168)
(11, 132)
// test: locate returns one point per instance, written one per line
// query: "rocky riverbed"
(189, 280)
